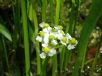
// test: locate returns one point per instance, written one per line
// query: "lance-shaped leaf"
(4, 31)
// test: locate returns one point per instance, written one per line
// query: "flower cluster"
(52, 38)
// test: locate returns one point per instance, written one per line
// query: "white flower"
(63, 42)
(54, 42)
(59, 36)
(46, 30)
(70, 47)
(49, 28)
(53, 34)
(50, 37)
(41, 24)
(52, 52)
(56, 28)
(68, 36)
(61, 32)
(44, 45)
(43, 55)
(38, 38)
(46, 38)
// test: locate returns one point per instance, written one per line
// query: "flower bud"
(51, 37)
(46, 49)
(73, 41)
(42, 33)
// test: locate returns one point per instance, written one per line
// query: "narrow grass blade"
(44, 5)
(4, 56)
(52, 11)
(4, 31)
(26, 40)
(93, 64)
(57, 12)
(33, 17)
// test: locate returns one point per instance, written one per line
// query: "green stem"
(57, 12)
(54, 68)
(44, 5)
(61, 6)
(67, 59)
(44, 63)
(3, 54)
(38, 59)
(62, 50)
(26, 40)
(93, 64)
(35, 21)
(83, 62)
(62, 53)
(52, 11)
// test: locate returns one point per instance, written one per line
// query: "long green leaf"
(94, 14)
(44, 5)
(34, 19)
(26, 40)
(4, 31)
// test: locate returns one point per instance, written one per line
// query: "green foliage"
(4, 31)
(26, 39)
(89, 24)
(23, 17)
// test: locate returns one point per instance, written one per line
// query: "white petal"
(54, 42)
(49, 28)
(53, 33)
(68, 36)
(38, 38)
(52, 52)
(44, 45)
(59, 36)
(43, 55)
(59, 31)
(46, 30)
(70, 47)
(41, 24)
(46, 38)
(63, 43)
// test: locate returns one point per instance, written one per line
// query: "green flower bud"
(53, 30)
(46, 49)
(73, 41)
(42, 33)
(62, 32)
(51, 37)
(64, 39)
(60, 27)
(46, 25)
